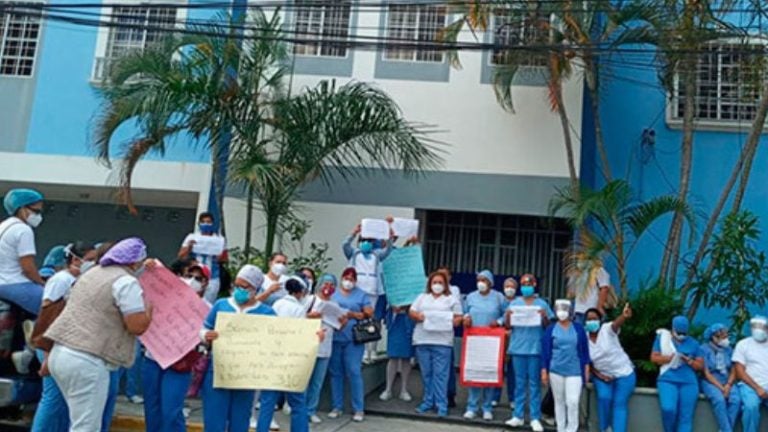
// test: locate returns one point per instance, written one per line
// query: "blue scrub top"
(717, 360)
(355, 301)
(229, 305)
(565, 353)
(527, 340)
(683, 374)
(484, 309)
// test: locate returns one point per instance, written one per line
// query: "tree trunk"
(271, 232)
(249, 220)
(592, 86)
(556, 88)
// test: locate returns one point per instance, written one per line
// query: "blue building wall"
(632, 100)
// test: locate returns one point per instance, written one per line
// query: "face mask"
(278, 269)
(87, 265)
(592, 326)
(759, 335)
(241, 295)
(482, 287)
(563, 315)
(366, 247)
(509, 292)
(34, 220)
(193, 283)
(206, 228)
(527, 290)
(347, 284)
(438, 288)
(328, 291)
(724, 343)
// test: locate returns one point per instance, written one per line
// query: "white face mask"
(193, 283)
(34, 220)
(347, 284)
(482, 287)
(724, 343)
(87, 265)
(759, 335)
(509, 292)
(563, 315)
(278, 269)
(437, 288)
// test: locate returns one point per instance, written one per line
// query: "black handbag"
(367, 330)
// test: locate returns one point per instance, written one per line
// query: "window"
(135, 29)
(325, 24)
(417, 23)
(19, 35)
(516, 28)
(727, 86)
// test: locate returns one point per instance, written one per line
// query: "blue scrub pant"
(132, 374)
(298, 404)
(226, 410)
(316, 384)
(613, 401)
(109, 409)
(678, 403)
(451, 378)
(52, 414)
(347, 362)
(478, 393)
(164, 392)
(527, 377)
(509, 376)
(725, 411)
(750, 417)
(435, 363)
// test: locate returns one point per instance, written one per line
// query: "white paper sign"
(374, 229)
(438, 320)
(332, 313)
(525, 316)
(482, 366)
(208, 245)
(405, 228)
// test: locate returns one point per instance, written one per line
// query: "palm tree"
(185, 85)
(593, 212)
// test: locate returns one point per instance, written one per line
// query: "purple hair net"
(125, 252)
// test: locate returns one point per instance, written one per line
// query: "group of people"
(91, 310)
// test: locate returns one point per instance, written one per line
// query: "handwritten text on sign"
(404, 277)
(264, 352)
(177, 316)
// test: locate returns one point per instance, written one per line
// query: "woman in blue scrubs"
(399, 350)
(678, 356)
(719, 377)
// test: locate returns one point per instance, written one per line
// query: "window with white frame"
(323, 28)
(414, 23)
(728, 79)
(133, 28)
(19, 39)
(515, 28)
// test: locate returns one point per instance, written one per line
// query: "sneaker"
(21, 360)
(548, 420)
(334, 414)
(487, 416)
(367, 361)
(536, 426)
(515, 422)
(186, 412)
(315, 419)
(385, 395)
(469, 415)
(254, 423)
(274, 426)
(358, 417)
(405, 396)
(287, 409)
(136, 399)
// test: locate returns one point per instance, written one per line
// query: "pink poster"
(177, 316)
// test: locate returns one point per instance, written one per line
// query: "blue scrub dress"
(399, 335)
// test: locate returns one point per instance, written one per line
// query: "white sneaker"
(536, 426)
(287, 409)
(334, 414)
(469, 415)
(273, 426)
(254, 423)
(186, 412)
(385, 395)
(315, 419)
(136, 399)
(515, 422)
(21, 360)
(405, 396)
(358, 417)
(487, 416)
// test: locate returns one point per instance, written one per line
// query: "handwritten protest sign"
(525, 316)
(482, 357)
(404, 277)
(374, 229)
(208, 245)
(177, 316)
(264, 352)
(405, 228)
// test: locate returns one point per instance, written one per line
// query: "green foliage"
(654, 306)
(739, 278)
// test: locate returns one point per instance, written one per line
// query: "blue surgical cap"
(486, 274)
(56, 257)
(329, 278)
(712, 330)
(18, 198)
(680, 324)
(47, 272)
